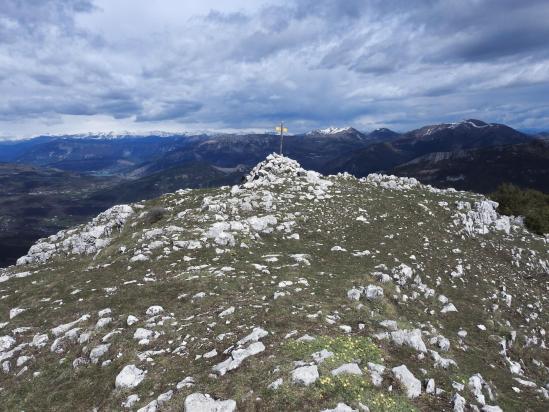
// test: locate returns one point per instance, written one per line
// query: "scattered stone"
(411, 338)
(488, 408)
(198, 402)
(210, 354)
(276, 384)
(450, 307)
(430, 386)
(411, 384)
(350, 368)
(354, 294)
(130, 401)
(129, 377)
(373, 292)
(322, 355)
(16, 311)
(6, 343)
(389, 325)
(104, 312)
(97, 352)
(188, 382)
(459, 403)
(305, 375)
(227, 312)
(237, 357)
(102, 322)
(376, 373)
(154, 310)
(341, 407)
(257, 334)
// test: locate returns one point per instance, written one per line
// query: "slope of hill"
(36, 202)
(292, 291)
(192, 175)
(12, 149)
(315, 150)
(92, 154)
(383, 134)
(136, 156)
(152, 164)
(483, 170)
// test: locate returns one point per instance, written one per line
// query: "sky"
(73, 66)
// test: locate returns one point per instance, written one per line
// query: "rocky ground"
(292, 291)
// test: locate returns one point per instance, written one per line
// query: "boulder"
(129, 377)
(350, 368)
(373, 292)
(411, 338)
(458, 402)
(198, 402)
(305, 375)
(411, 384)
(341, 407)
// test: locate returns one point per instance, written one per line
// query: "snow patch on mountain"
(330, 130)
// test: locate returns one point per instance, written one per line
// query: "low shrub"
(531, 204)
(154, 215)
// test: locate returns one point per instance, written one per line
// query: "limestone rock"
(305, 375)
(198, 402)
(129, 377)
(411, 384)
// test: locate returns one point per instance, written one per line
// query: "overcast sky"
(100, 65)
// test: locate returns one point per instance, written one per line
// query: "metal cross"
(282, 130)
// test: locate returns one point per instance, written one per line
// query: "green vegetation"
(345, 349)
(355, 389)
(352, 389)
(531, 204)
(155, 215)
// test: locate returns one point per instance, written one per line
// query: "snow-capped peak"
(468, 123)
(121, 134)
(330, 130)
(478, 124)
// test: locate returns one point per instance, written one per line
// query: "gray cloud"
(178, 109)
(68, 63)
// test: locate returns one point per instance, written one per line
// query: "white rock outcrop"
(87, 239)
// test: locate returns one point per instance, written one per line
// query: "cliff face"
(292, 291)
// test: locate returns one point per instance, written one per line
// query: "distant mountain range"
(79, 175)
(483, 169)
(447, 137)
(134, 156)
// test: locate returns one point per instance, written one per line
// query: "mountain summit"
(290, 291)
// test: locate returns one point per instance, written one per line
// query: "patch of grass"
(154, 215)
(389, 403)
(345, 349)
(350, 388)
(329, 390)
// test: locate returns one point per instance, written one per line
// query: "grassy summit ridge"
(292, 291)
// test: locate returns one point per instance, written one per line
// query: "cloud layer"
(79, 65)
